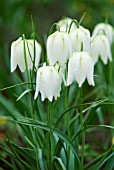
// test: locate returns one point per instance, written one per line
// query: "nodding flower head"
(48, 83)
(59, 48)
(81, 40)
(100, 47)
(105, 29)
(80, 67)
(17, 54)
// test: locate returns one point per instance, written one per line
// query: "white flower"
(100, 47)
(81, 38)
(17, 54)
(80, 67)
(64, 24)
(48, 83)
(106, 29)
(59, 48)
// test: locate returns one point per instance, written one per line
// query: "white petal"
(14, 57)
(39, 84)
(71, 69)
(38, 54)
(90, 70)
(80, 70)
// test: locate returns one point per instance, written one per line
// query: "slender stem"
(50, 133)
(51, 29)
(82, 18)
(67, 124)
(35, 134)
(76, 23)
(83, 133)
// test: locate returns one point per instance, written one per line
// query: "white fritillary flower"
(17, 54)
(80, 67)
(106, 29)
(100, 47)
(48, 83)
(81, 40)
(59, 48)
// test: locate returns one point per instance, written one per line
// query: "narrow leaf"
(25, 92)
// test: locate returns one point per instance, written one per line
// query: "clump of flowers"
(69, 59)
(70, 45)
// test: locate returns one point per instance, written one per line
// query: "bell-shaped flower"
(80, 67)
(105, 29)
(64, 24)
(100, 47)
(17, 54)
(48, 83)
(81, 40)
(59, 48)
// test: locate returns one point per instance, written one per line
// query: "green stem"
(54, 25)
(83, 133)
(76, 23)
(67, 125)
(35, 134)
(50, 133)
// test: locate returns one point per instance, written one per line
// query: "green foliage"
(25, 143)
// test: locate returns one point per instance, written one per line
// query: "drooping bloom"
(81, 40)
(59, 48)
(17, 54)
(80, 67)
(105, 29)
(64, 24)
(100, 47)
(48, 83)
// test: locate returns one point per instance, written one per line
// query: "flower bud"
(80, 67)
(48, 83)
(105, 29)
(80, 39)
(17, 54)
(59, 48)
(100, 47)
